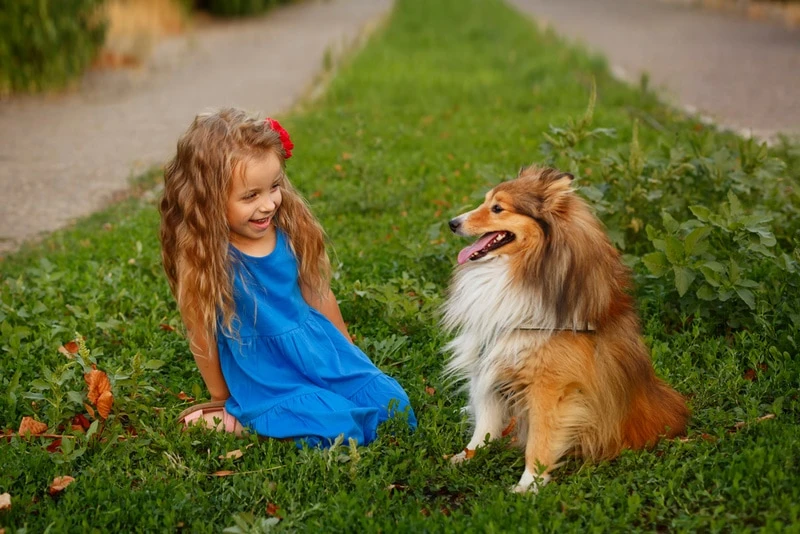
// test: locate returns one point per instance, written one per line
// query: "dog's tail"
(656, 410)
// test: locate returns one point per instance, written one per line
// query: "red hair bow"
(285, 139)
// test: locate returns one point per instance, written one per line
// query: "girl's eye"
(275, 187)
(249, 196)
(496, 208)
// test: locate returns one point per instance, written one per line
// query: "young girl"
(246, 261)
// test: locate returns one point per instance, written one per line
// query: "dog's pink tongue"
(465, 253)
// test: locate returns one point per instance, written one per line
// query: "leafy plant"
(721, 254)
(46, 44)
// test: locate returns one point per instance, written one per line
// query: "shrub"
(48, 43)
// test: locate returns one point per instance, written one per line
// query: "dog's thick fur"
(546, 333)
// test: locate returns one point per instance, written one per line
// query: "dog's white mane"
(486, 308)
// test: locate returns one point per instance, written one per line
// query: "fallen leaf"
(510, 428)
(166, 327)
(5, 501)
(469, 453)
(223, 473)
(31, 426)
(89, 410)
(98, 383)
(741, 424)
(55, 446)
(233, 454)
(750, 375)
(430, 391)
(59, 484)
(183, 396)
(346, 155)
(81, 421)
(104, 402)
(272, 509)
(68, 350)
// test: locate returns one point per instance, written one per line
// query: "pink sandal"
(193, 414)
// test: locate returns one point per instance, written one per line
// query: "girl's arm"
(327, 306)
(204, 348)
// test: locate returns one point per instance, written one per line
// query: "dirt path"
(63, 157)
(743, 74)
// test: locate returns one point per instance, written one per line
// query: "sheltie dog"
(545, 333)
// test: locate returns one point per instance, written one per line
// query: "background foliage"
(450, 98)
(45, 44)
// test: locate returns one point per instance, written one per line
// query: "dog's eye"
(496, 208)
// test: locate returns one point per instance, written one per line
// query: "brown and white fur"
(546, 333)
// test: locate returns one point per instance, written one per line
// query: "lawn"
(444, 101)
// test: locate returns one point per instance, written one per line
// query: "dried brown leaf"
(5, 501)
(235, 455)
(104, 403)
(81, 421)
(89, 410)
(430, 391)
(55, 446)
(31, 426)
(98, 383)
(59, 484)
(510, 428)
(741, 424)
(183, 396)
(66, 352)
(272, 509)
(223, 473)
(166, 327)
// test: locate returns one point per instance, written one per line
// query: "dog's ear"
(557, 191)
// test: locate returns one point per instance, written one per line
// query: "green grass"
(450, 98)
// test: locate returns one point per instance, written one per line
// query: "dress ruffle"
(384, 392)
(318, 418)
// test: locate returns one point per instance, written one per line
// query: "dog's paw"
(531, 483)
(462, 456)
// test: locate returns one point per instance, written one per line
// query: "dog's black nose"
(454, 224)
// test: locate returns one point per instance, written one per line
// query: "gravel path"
(63, 157)
(740, 73)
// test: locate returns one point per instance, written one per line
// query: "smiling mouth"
(261, 222)
(488, 242)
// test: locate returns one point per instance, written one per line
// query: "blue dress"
(291, 373)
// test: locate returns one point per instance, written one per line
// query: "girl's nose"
(268, 205)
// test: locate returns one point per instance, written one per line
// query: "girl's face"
(253, 201)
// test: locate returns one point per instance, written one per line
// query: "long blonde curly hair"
(194, 228)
